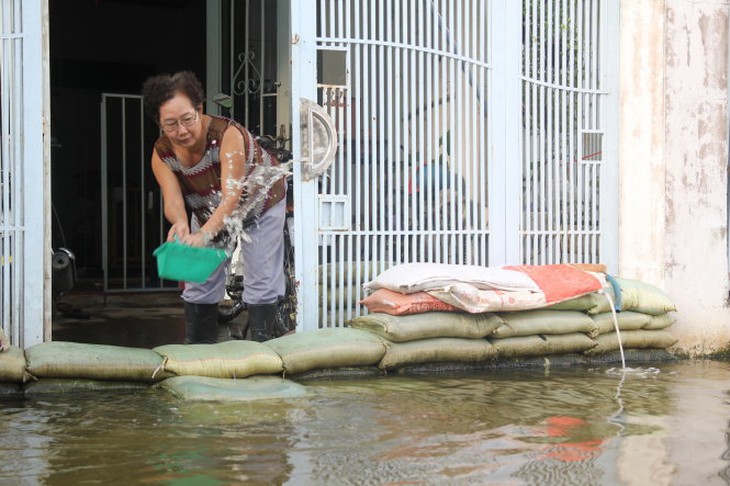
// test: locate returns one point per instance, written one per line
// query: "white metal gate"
(407, 85)
(470, 132)
(569, 127)
(24, 183)
(132, 224)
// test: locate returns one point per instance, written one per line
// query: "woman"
(215, 179)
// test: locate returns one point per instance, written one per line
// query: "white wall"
(673, 160)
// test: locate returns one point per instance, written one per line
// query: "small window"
(332, 67)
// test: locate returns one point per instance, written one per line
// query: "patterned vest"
(201, 183)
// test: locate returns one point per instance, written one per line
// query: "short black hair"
(156, 90)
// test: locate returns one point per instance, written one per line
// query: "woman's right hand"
(179, 230)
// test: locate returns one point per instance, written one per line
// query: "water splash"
(256, 185)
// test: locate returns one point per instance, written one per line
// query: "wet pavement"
(140, 320)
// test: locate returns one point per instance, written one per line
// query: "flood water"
(659, 423)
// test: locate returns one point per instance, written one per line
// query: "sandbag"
(430, 325)
(12, 366)
(397, 304)
(542, 345)
(327, 348)
(473, 300)
(593, 303)
(202, 388)
(349, 272)
(437, 350)
(644, 297)
(408, 278)
(627, 321)
(661, 321)
(638, 339)
(533, 322)
(59, 359)
(229, 359)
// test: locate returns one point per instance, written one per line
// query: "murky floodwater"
(667, 424)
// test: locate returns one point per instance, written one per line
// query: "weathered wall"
(674, 157)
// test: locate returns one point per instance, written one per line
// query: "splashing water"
(256, 185)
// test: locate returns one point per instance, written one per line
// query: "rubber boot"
(262, 320)
(201, 323)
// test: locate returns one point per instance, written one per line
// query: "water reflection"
(564, 426)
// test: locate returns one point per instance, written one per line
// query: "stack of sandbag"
(643, 314)
(461, 313)
(431, 336)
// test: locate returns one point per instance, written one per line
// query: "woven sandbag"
(328, 348)
(661, 321)
(627, 321)
(437, 350)
(639, 339)
(643, 297)
(542, 345)
(12, 365)
(229, 359)
(533, 322)
(594, 303)
(205, 388)
(397, 304)
(430, 325)
(413, 277)
(59, 359)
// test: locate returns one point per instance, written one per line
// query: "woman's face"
(181, 121)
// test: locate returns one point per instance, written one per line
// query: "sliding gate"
(470, 132)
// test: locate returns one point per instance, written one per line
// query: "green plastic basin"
(176, 261)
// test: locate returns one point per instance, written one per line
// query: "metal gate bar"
(117, 147)
(12, 232)
(25, 296)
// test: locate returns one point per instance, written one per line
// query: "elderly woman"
(216, 180)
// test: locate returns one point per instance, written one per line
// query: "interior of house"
(106, 206)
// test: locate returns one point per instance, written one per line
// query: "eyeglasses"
(186, 121)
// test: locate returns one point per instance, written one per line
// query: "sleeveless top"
(201, 183)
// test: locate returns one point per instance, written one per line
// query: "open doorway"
(101, 51)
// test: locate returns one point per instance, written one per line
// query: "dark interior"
(107, 46)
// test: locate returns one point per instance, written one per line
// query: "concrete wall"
(673, 160)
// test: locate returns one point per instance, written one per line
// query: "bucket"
(176, 261)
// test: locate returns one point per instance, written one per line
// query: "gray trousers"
(263, 264)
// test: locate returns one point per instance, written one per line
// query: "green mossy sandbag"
(60, 359)
(229, 359)
(427, 325)
(534, 322)
(542, 345)
(332, 347)
(661, 321)
(203, 388)
(437, 350)
(627, 321)
(639, 339)
(643, 297)
(12, 366)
